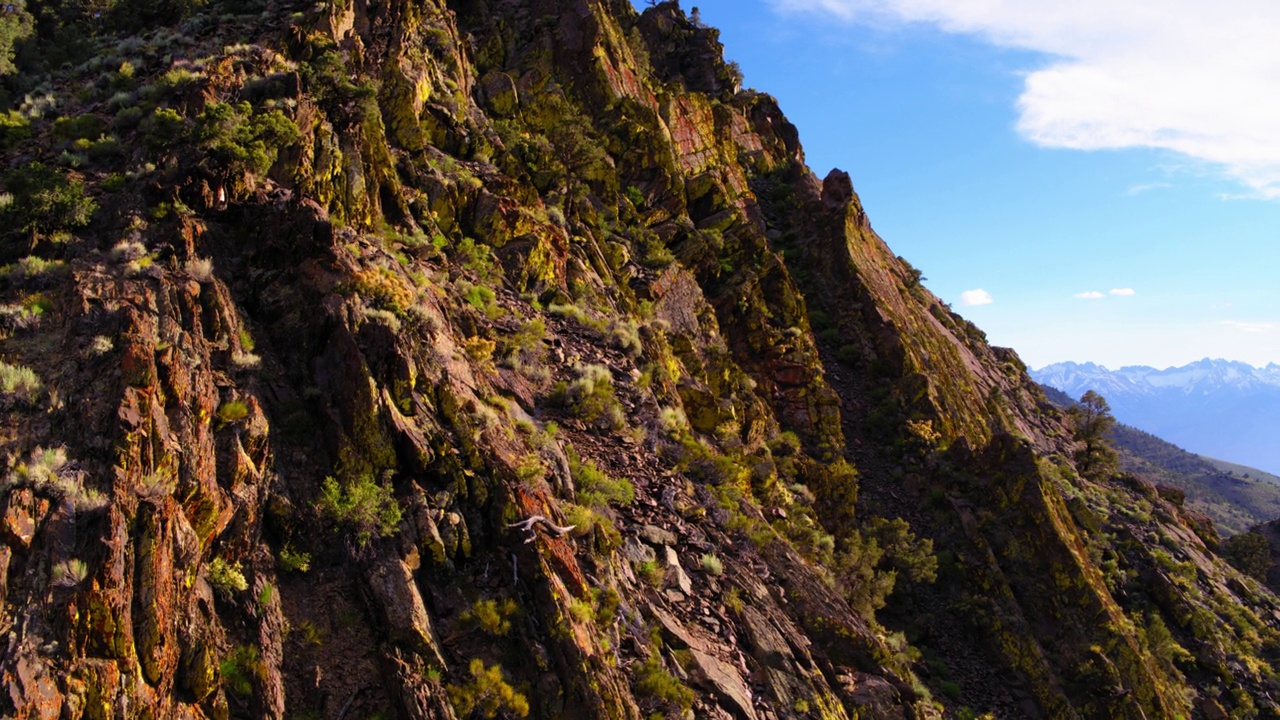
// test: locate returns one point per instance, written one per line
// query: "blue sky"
(1105, 176)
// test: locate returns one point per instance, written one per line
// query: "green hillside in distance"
(1235, 497)
(1243, 471)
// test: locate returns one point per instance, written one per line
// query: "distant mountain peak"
(1218, 407)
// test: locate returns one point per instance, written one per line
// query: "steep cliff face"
(504, 358)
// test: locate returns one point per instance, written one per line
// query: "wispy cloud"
(1189, 76)
(1252, 327)
(1091, 295)
(1124, 292)
(1146, 187)
(979, 296)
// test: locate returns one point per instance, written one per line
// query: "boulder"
(675, 573)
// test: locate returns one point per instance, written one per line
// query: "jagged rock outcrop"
(503, 358)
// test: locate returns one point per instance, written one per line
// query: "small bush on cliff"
(43, 201)
(233, 411)
(653, 680)
(240, 668)
(235, 140)
(18, 381)
(70, 573)
(635, 195)
(226, 577)
(596, 488)
(30, 268)
(491, 616)
(625, 335)
(291, 560)
(363, 506)
(475, 257)
(383, 289)
(712, 565)
(590, 396)
(525, 344)
(48, 472)
(858, 566)
(652, 252)
(906, 553)
(487, 694)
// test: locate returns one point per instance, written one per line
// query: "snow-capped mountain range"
(1220, 408)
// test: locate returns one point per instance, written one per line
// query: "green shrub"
(79, 127)
(673, 421)
(163, 131)
(635, 196)
(525, 343)
(582, 611)
(906, 553)
(625, 334)
(14, 128)
(226, 577)
(124, 74)
(44, 201)
(491, 616)
(382, 288)
(291, 560)
(48, 472)
(31, 267)
(233, 411)
(590, 396)
(21, 382)
(487, 694)
(240, 668)
(653, 253)
(70, 573)
(479, 351)
(653, 680)
(531, 470)
(712, 565)
(475, 257)
(733, 599)
(575, 313)
(1162, 643)
(363, 506)
(128, 118)
(479, 297)
(1250, 553)
(237, 140)
(651, 572)
(156, 484)
(595, 488)
(15, 24)
(179, 78)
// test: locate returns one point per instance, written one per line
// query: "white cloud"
(1252, 327)
(979, 296)
(1190, 76)
(1124, 292)
(1146, 187)
(1091, 295)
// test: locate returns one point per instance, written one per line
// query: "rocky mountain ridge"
(504, 359)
